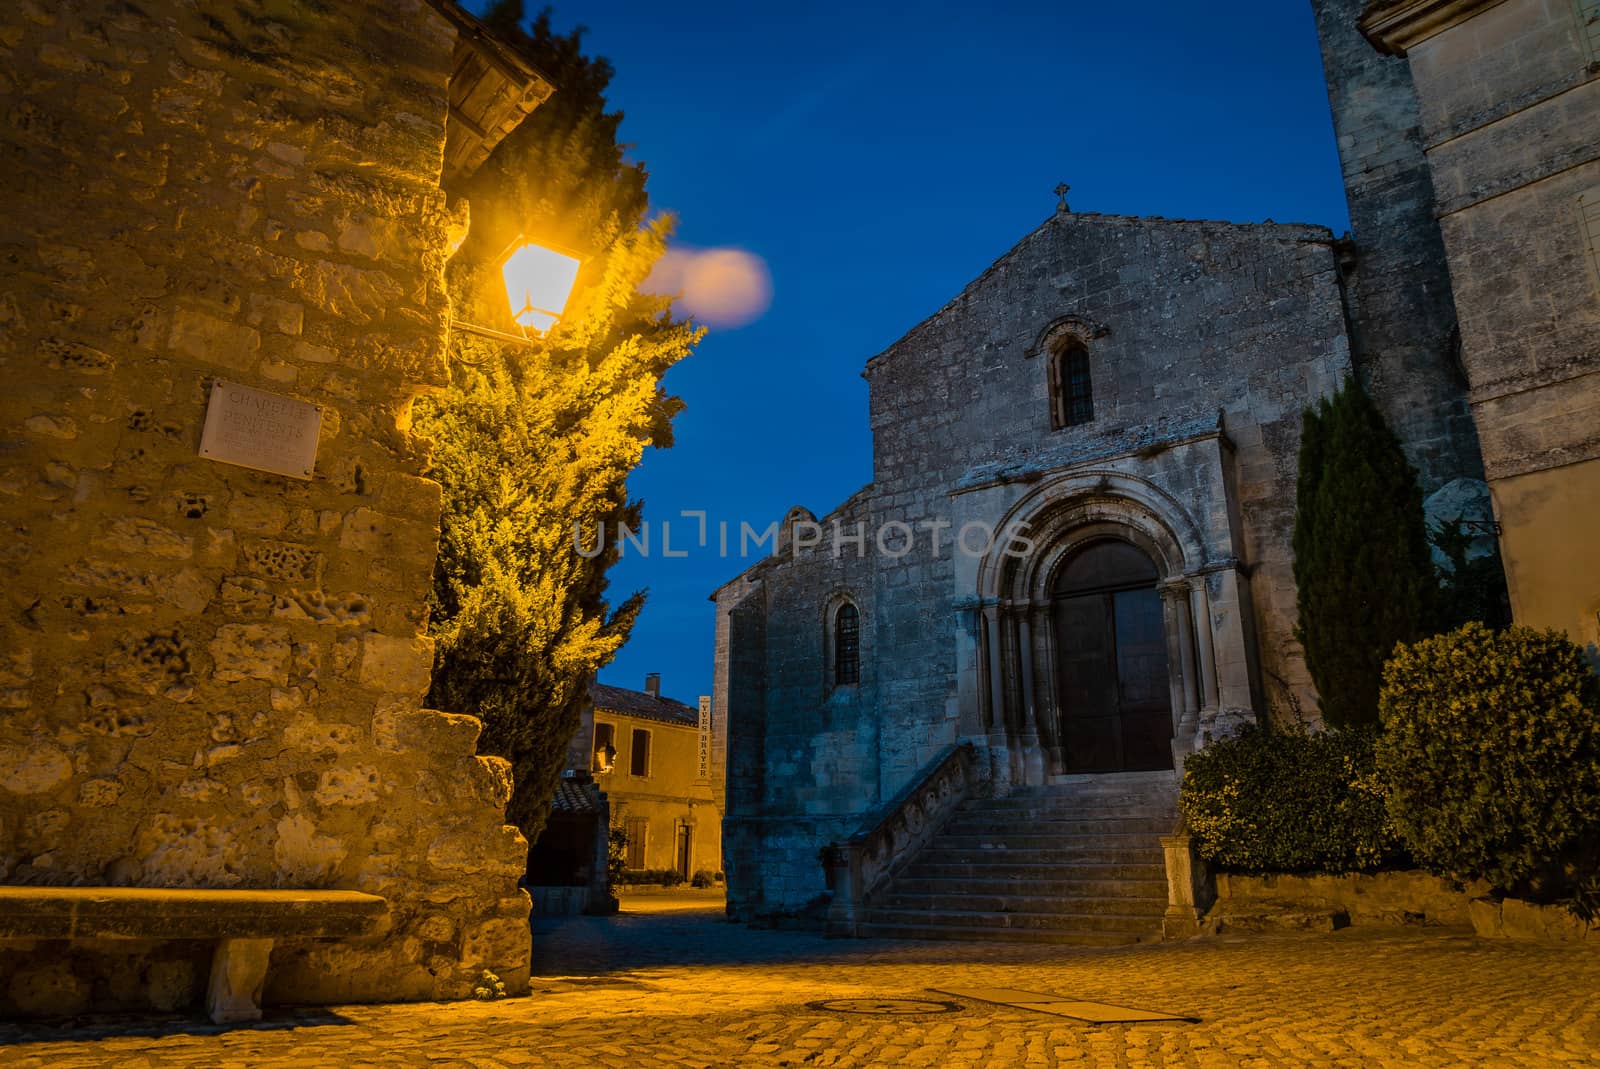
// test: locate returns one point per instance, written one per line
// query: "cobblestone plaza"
(670, 983)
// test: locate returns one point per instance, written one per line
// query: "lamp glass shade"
(538, 283)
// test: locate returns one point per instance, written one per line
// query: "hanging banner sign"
(705, 736)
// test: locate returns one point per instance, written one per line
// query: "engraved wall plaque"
(265, 431)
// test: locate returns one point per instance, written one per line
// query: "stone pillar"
(1046, 719)
(1189, 888)
(1032, 757)
(1181, 669)
(1206, 651)
(238, 972)
(1191, 684)
(997, 687)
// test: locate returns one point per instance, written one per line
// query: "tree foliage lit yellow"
(529, 444)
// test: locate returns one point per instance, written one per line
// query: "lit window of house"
(605, 747)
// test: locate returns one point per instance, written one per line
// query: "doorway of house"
(1114, 701)
(685, 852)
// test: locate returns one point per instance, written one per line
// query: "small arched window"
(1071, 391)
(846, 645)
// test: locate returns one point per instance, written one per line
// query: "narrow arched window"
(1071, 391)
(846, 645)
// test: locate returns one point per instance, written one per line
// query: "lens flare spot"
(723, 288)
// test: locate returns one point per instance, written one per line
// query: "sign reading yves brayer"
(705, 737)
(265, 431)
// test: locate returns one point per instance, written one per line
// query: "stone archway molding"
(1014, 581)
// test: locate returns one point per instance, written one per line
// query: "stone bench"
(243, 922)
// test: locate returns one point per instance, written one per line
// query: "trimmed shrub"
(1288, 801)
(703, 878)
(1491, 747)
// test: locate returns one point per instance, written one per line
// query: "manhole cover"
(884, 1007)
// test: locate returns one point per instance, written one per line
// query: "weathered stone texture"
(1402, 319)
(211, 676)
(1510, 104)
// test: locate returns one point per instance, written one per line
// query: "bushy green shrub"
(704, 878)
(1288, 801)
(1491, 747)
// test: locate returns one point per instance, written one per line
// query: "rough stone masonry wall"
(1402, 317)
(211, 677)
(1197, 318)
(1510, 109)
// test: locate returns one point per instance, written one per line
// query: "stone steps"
(1091, 853)
(1151, 885)
(990, 934)
(1034, 838)
(975, 824)
(1078, 862)
(1131, 924)
(998, 867)
(1069, 905)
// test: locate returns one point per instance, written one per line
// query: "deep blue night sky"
(879, 156)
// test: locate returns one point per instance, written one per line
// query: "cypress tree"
(531, 445)
(1362, 565)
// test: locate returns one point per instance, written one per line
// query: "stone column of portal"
(1169, 629)
(1047, 713)
(991, 624)
(1033, 759)
(999, 735)
(1188, 708)
(1207, 650)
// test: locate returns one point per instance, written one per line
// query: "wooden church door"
(1111, 651)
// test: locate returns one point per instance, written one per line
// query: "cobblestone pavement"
(669, 983)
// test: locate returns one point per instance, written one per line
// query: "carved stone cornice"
(1396, 26)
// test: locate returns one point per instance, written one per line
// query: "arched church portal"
(1112, 681)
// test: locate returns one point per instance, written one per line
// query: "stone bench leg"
(238, 971)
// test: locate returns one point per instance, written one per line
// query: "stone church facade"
(1075, 552)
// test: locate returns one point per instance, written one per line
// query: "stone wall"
(212, 676)
(1510, 102)
(1402, 318)
(1196, 321)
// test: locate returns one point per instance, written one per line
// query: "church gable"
(1095, 328)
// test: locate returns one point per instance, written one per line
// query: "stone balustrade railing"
(863, 864)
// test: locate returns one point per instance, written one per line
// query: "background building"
(649, 756)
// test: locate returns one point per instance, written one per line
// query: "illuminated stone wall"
(1509, 105)
(209, 676)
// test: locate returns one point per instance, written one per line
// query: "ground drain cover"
(1065, 1006)
(884, 1007)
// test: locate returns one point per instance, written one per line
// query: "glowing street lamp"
(538, 283)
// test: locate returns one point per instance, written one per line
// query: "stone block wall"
(1510, 106)
(211, 676)
(1195, 319)
(1402, 318)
